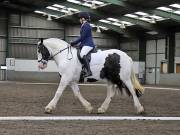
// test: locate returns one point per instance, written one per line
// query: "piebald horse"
(111, 66)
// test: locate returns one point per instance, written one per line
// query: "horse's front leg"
(83, 101)
(52, 104)
(110, 94)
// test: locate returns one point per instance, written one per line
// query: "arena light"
(105, 21)
(156, 17)
(98, 2)
(152, 32)
(141, 13)
(131, 15)
(64, 11)
(113, 19)
(92, 25)
(153, 20)
(52, 8)
(165, 9)
(122, 26)
(87, 4)
(49, 18)
(69, 12)
(93, 5)
(117, 24)
(104, 28)
(177, 12)
(98, 29)
(58, 6)
(74, 1)
(175, 5)
(73, 9)
(145, 19)
(39, 12)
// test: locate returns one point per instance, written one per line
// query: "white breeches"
(85, 50)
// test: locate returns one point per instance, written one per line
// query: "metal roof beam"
(165, 14)
(117, 29)
(123, 4)
(143, 24)
(83, 8)
(52, 12)
(102, 15)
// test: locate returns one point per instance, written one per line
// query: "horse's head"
(42, 54)
(50, 48)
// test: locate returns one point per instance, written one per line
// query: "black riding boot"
(86, 64)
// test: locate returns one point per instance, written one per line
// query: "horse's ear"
(41, 40)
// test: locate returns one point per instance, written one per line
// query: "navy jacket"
(85, 38)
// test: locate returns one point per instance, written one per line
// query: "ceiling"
(123, 17)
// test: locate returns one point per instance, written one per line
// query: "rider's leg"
(85, 50)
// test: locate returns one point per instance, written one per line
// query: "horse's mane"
(55, 43)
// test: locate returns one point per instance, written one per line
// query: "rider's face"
(81, 20)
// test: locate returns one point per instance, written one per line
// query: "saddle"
(94, 50)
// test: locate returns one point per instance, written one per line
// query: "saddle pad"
(97, 58)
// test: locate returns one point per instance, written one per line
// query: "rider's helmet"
(84, 15)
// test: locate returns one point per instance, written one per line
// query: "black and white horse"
(112, 66)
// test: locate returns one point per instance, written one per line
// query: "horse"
(114, 67)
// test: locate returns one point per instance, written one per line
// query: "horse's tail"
(137, 86)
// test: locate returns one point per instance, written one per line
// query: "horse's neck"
(66, 55)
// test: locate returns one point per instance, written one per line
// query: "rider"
(85, 40)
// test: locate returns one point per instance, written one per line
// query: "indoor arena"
(89, 67)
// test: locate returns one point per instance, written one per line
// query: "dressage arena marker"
(85, 118)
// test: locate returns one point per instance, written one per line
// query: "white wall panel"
(161, 45)
(151, 46)
(155, 53)
(177, 45)
(150, 60)
(160, 57)
(150, 75)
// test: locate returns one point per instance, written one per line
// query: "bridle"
(50, 57)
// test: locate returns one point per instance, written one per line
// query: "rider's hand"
(71, 44)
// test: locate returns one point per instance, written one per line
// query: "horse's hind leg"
(137, 104)
(110, 94)
(83, 101)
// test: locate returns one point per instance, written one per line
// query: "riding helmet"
(84, 15)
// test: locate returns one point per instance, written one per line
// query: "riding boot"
(87, 66)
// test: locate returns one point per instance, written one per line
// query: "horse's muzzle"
(42, 65)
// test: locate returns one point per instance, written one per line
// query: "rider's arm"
(84, 30)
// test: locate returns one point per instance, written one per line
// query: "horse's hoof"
(140, 110)
(89, 109)
(101, 110)
(48, 110)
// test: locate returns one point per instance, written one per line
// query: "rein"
(69, 50)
